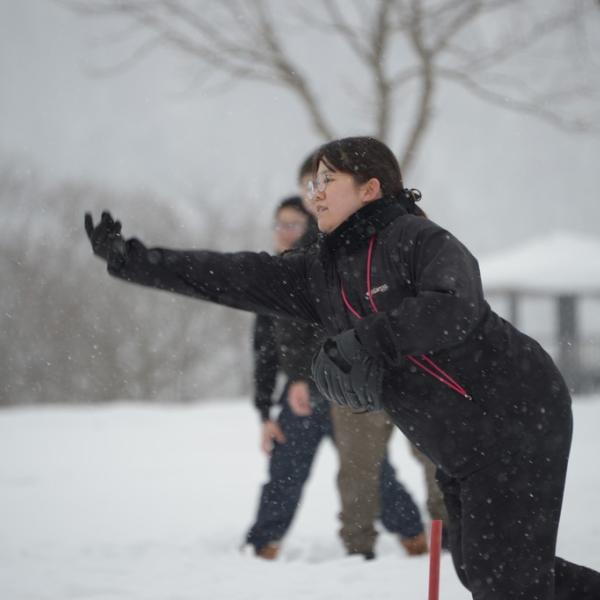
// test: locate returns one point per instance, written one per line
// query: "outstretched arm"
(256, 282)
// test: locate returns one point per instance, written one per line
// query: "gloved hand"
(346, 374)
(105, 237)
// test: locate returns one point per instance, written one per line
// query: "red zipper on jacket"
(430, 367)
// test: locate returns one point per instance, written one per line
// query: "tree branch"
(290, 73)
(534, 107)
(380, 41)
(427, 86)
(507, 48)
(243, 40)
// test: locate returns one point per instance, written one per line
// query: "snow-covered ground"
(137, 502)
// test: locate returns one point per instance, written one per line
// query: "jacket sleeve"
(251, 281)
(448, 302)
(265, 364)
(298, 342)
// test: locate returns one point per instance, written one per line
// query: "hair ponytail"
(410, 198)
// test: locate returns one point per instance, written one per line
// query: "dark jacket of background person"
(283, 343)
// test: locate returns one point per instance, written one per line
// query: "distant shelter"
(549, 287)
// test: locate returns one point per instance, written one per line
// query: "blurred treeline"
(71, 333)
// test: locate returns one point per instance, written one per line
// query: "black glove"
(347, 375)
(105, 237)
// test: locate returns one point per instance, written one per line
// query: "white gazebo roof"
(559, 263)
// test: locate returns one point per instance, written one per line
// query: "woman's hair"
(364, 158)
(294, 202)
(306, 168)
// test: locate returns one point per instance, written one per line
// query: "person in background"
(292, 439)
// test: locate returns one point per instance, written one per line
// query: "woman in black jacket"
(410, 333)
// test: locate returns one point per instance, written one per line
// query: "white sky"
(491, 177)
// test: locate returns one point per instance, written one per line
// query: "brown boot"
(268, 552)
(415, 546)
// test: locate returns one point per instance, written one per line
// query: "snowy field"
(137, 502)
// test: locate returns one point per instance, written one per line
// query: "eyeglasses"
(318, 184)
(289, 226)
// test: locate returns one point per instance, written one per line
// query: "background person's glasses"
(318, 184)
(289, 225)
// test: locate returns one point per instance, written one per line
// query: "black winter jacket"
(429, 298)
(283, 344)
(266, 364)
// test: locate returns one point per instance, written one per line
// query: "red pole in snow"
(434, 560)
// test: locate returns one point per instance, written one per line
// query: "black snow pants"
(503, 523)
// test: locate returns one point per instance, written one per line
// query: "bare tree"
(406, 49)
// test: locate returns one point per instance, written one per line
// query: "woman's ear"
(371, 190)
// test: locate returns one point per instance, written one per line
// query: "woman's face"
(290, 226)
(340, 197)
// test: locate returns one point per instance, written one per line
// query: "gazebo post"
(513, 307)
(568, 340)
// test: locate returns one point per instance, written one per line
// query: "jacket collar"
(359, 227)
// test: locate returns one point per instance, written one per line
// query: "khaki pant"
(362, 441)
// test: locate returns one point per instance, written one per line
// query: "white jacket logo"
(378, 290)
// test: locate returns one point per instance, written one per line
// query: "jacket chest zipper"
(423, 362)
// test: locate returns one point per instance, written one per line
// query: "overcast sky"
(490, 176)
